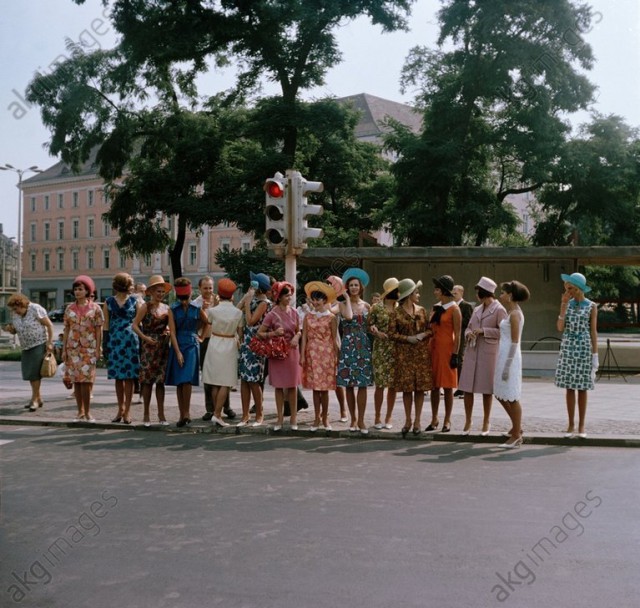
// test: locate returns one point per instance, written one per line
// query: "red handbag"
(273, 348)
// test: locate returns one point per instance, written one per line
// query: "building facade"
(8, 272)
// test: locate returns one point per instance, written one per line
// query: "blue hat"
(355, 273)
(264, 284)
(577, 280)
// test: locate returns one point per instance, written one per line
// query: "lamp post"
(20, 172)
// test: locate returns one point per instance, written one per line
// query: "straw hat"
(406, 287)
(388, 286)
(158, 279)
(577, 280)
(324, 288)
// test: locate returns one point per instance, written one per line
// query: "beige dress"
(220, 366)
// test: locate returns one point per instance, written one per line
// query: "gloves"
(453, 362)
(509, 361)
(595, 364)
(412, 340)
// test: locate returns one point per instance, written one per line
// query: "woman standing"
(123, 346)
(482, 338)
(382, 355)
(319, 350)
(578, 361)
(445, 323)
(83, 322)
(255, 306)
(409, 329)
(185, 320)
(35, 332)
(354, 361)
(507, 380)
(284, 374)
(220, 368)
(152, 326)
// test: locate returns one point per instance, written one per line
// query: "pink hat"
(277, 287)
(87, 282)
(337, 284)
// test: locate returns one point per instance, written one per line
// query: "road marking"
(3, 441)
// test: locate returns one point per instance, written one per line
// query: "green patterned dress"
(382, 356)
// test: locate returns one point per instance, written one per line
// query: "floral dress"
(153, 357)
(574, 363)
(383, 349)
(251, 366)
(412, 362)
(354, 362)
(83, 323)
(124, 346)
(320, 361)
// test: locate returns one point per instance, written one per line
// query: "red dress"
(442, 347)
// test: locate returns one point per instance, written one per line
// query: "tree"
(493, 115)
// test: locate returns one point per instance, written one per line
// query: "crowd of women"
(337, 343)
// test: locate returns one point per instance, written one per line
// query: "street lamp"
(20, 172)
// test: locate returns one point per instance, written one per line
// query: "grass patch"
(10, 355)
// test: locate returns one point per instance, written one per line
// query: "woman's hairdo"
(318, 295)
(122, 282)
(181, 282)
(518, 291)
(483, 293)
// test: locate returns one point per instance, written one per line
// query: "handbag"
(272, 348)
(49, 366)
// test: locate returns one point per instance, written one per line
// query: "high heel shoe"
(511, 446)
(416, 431)
(485, 433)
(432, 427)
(466, 431)
(405, 430)
(218, 422)
(117, 419)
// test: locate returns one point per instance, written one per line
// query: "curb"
(267, 431)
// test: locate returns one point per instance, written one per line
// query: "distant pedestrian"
(220, 368)
(482, 339)
(35, 332)
(466, 310)
(354, 362)
(382, 354)
(183, 371)
(83, 321)
(121, 342)
(507, 380)
(578, 361)
(152, 326)
(445, 322)
(409, 329)
(319, 350)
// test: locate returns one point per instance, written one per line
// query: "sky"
(33, 34)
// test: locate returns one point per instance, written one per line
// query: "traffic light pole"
(290, 256)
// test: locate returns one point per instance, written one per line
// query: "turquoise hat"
(577, 280)
(355, 273)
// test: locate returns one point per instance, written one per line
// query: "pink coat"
(480, 360)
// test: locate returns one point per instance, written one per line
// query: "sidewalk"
(613, 415)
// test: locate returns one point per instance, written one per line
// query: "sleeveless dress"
(382, 355)
(81, 347)
(186, 327)
(512, 388)
(442, 345)
(124, 346)
(153, 357)
(574, 363)
(284, 373)
(251, 367)
(319, 369)
(220, 366)
(354, 361)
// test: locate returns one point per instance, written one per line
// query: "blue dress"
(354, 363)
(186, 334)
(251, 366)
(124, 347)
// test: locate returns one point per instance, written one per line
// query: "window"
(525, 223)
(61, 230)
(33, 231)
(75, 264)
(47, 231)
(106, 229)
(47, 262)
(193, 254)
(90, 198)
(225, 244)
(246, 245)
(60, 201)
(46, 202)
(60, 260)
(75, 229)
(106, 258)
(90, 259)
(75, 199)
(122, 261)
(33, 204)
(147, 259)
(90, 228)
(33, 262)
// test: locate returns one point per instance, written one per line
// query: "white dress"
(512, 388)
(220, 367)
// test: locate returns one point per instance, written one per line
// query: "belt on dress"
(213, 333)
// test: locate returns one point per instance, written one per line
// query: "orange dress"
(442, 347)
(320, 359)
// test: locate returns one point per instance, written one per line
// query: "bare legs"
(183, 392)
(124, 394)
(448, 407)
(514, 411)
(409, 399)
(291, 394)
(357, 419)
(571, 410)
(378, 398)
(341, 402)
(145, 391)
(36, 399)
(82, 393)
(487, 400)
(248, 390)
(321, 408)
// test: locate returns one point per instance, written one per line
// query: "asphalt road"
(102, 518)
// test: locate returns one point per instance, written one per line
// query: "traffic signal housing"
(302, 210)
(276, 211)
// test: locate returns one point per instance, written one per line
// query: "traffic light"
(302, 209)
(276, 211)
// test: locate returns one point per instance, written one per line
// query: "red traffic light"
(274, 189)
